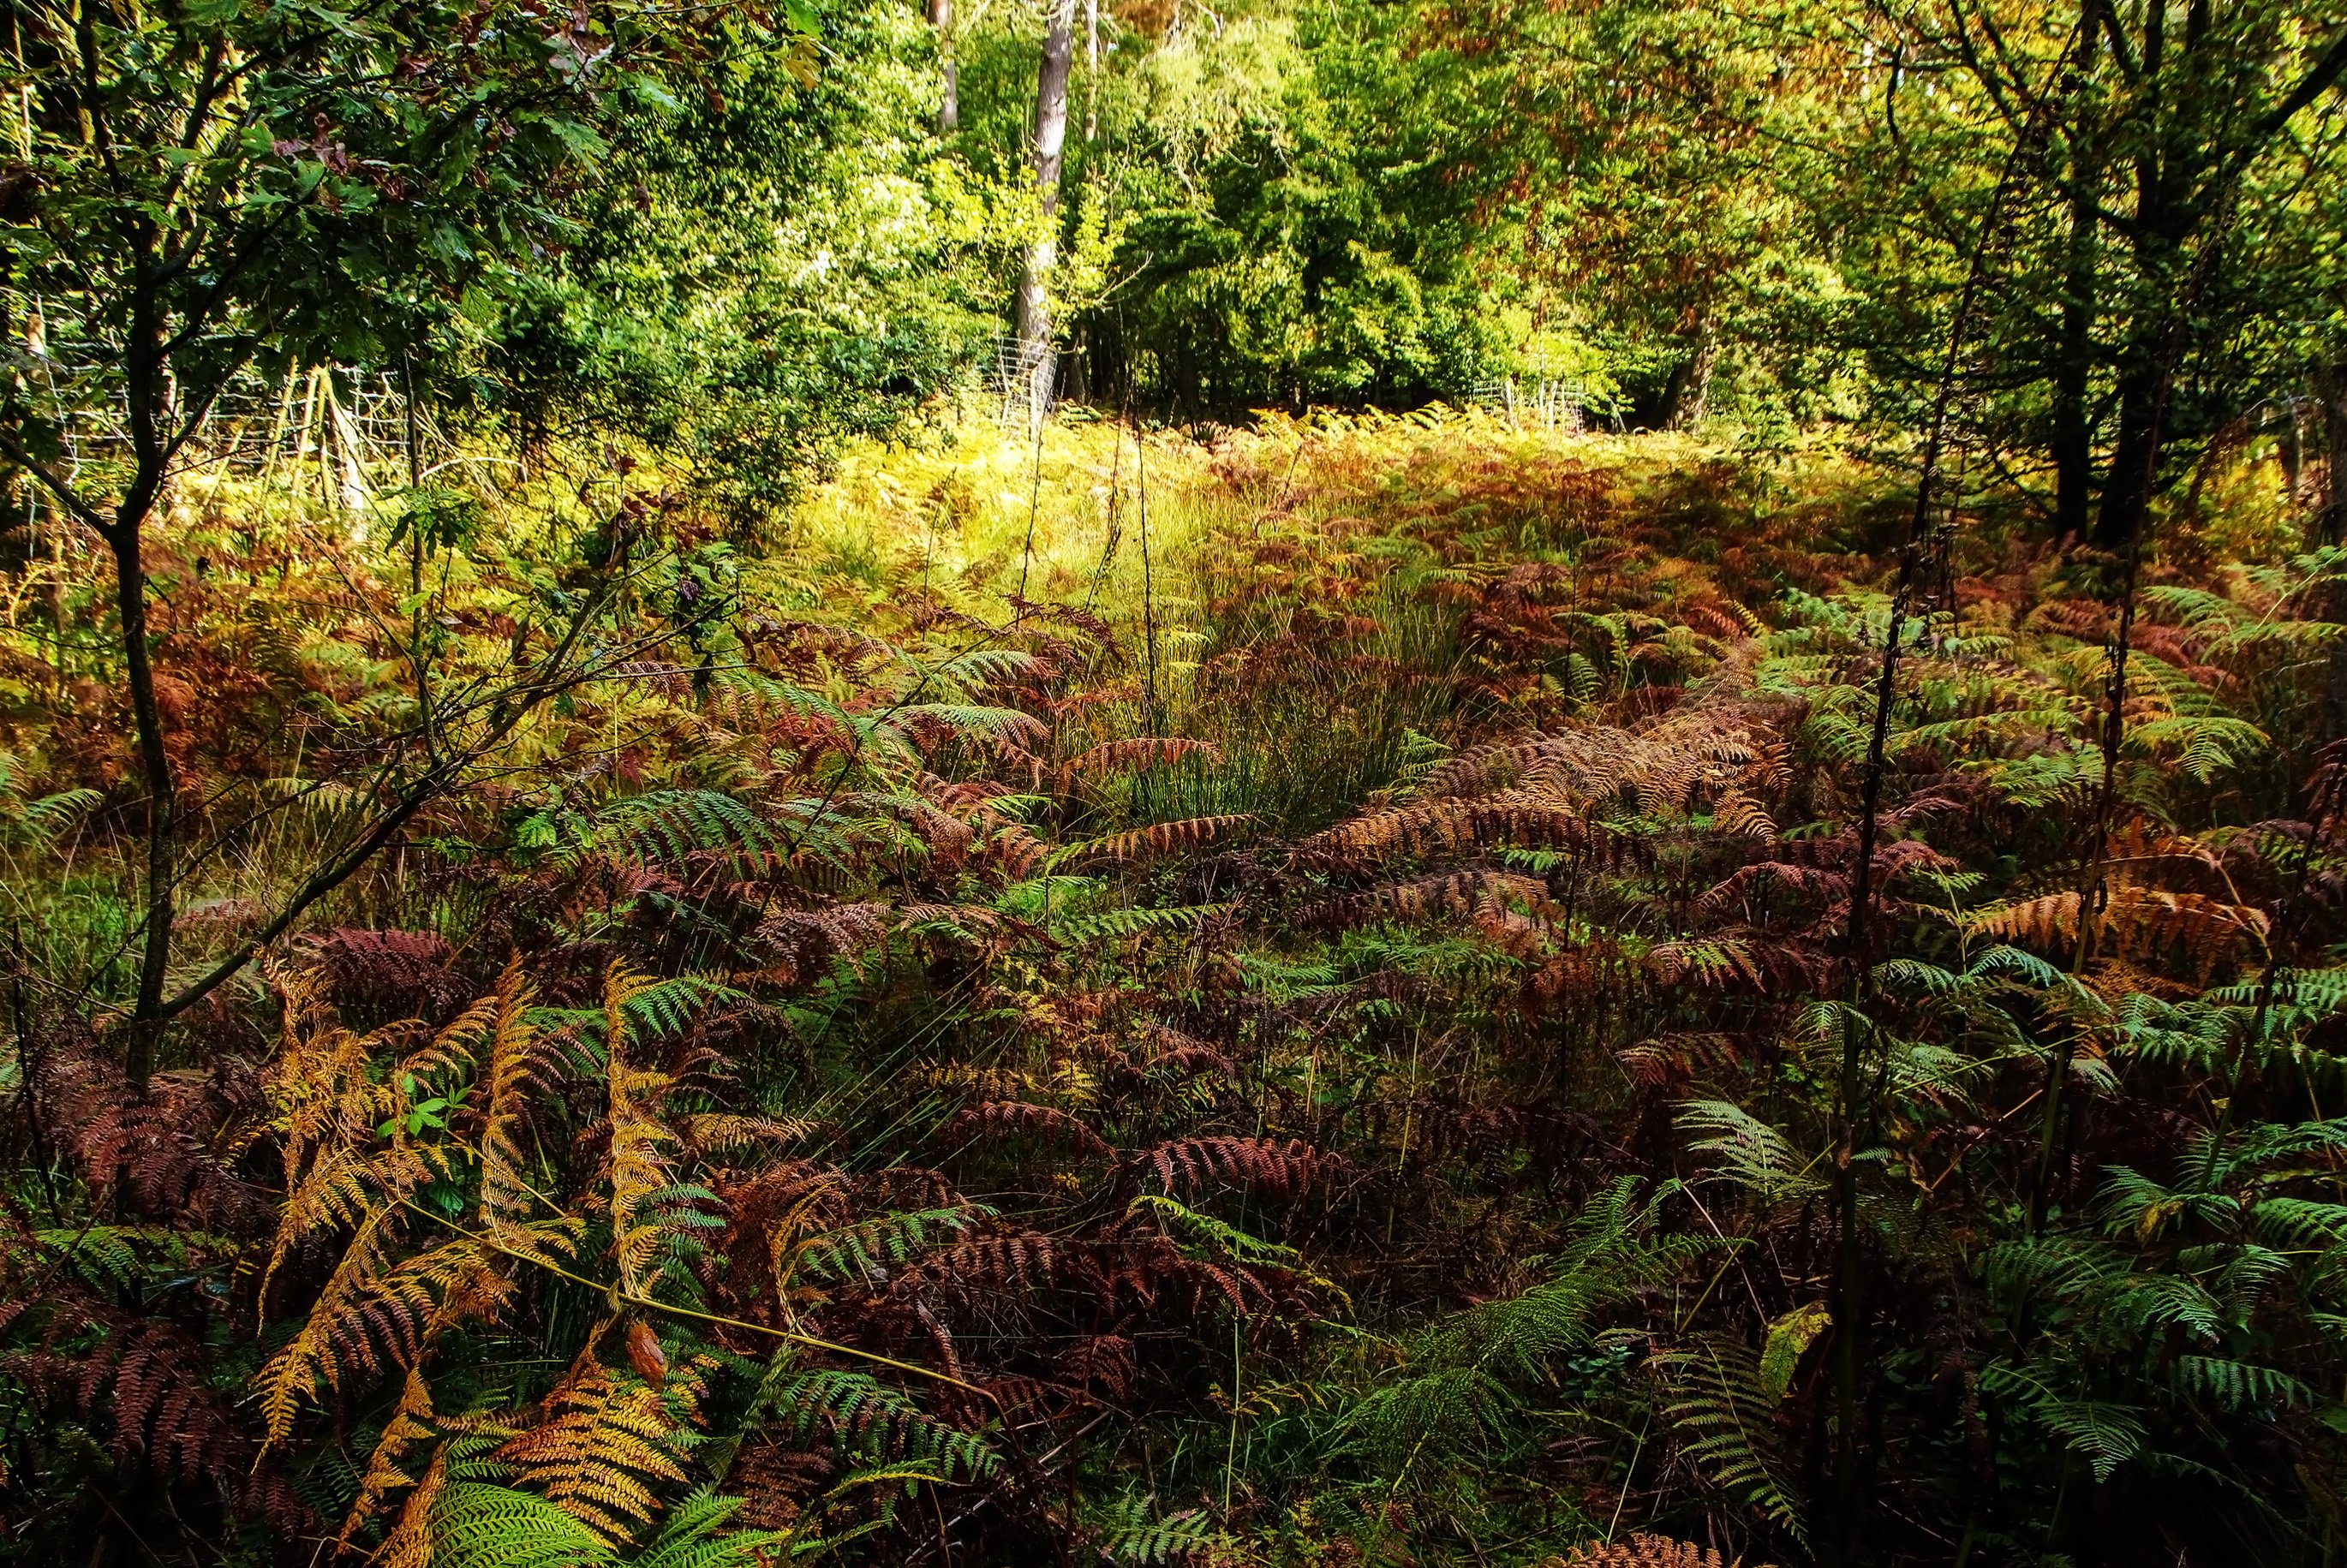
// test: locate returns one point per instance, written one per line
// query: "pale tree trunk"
(1092, 70)
(1051, 140)
(950, 104)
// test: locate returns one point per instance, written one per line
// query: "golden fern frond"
(641, 1171)
(610, 1441)
(711, 1131)
(333, 1192)
(412, 1538)
(292, 1373)
(318, 1084)
(1739, 814)
(455, 1048)
(507, 1200)
(371, 1317)
(409, 1422)
(328, 1106)
(2045, 922)
(2136, 923)
(2205, 930)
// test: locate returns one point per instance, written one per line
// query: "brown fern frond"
(1644, 1551)
(407, 972)
(1263, 1165)
(1102, 1362)
(1006, 1263)
(1022, 854)
(1164, 838)
(1675, 1059)
(164, 1406)
(807, 937)
(778, 1482)
(1453, 894)
(1178, 1052)
(1045, 1124)
(1139, 752)
(2326, 791)
(165, 1149)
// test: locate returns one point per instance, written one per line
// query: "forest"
(1291, 783)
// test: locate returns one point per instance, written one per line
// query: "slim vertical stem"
(1092, 70)
(941, 17)
(1034, 324)
(1849, 1261)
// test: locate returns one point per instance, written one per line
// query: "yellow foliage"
(409, 1422)
(609, 1441)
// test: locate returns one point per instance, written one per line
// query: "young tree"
(1034, 319)
(204, 189)
(941, 17)
(2158, 159)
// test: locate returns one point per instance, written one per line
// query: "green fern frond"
(1719, 1402)
(2106, 1433)
(1749, 1152)
(2239, 1387)
(1129, 1530)
(866, 1416)
(477, 1524)
(670, 826)
(694, 1536)
(873, 1246)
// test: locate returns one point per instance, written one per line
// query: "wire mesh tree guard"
(1555, 403)
(1023, 380)
(338, 434)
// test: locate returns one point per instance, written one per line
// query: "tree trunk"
(130, 605)
(2126, 489)
(148, 404)
(2074, 435)
(2331, 529)
(2292, 452)
(1051, 138)
(2331, 525)
(1689, 389)
(1092, 70)
(950, 104)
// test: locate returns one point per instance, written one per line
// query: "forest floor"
(1282, 999)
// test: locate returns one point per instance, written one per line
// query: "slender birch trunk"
(1092, 70)
(1034, 324)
